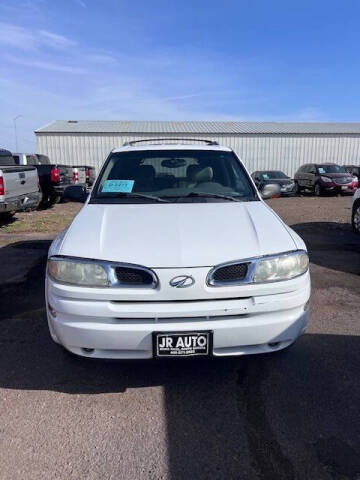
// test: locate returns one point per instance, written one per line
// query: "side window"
(17, 160)
(31, 160)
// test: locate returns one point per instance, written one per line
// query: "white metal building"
(261, 145)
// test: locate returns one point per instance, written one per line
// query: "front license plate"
(344, 188)
(184, 344)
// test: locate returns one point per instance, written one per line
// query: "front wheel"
(317, 190)
(355, 220)
(297, 189)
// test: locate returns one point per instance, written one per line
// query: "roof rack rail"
(132, 142)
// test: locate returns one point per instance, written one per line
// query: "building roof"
(214, 128)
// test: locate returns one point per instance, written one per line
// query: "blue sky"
(176, 60)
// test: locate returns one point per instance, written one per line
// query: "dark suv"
(324, 178)
(353, 170)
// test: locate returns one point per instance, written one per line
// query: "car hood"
(336, 175)
(278, 181)
(176, 235)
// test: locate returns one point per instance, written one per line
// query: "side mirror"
(75, 193)
(271, 190)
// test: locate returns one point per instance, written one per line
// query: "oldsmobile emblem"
(182, 281)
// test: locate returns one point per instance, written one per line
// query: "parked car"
(53, 177)
(89, 172)
(264, 177)
(353, 170)
(324, 178)
(355, 217)
(175, 254)
(19, 186)
(77, 175)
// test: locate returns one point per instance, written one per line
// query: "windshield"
(273, 174)
(331, 169)
(174, 175)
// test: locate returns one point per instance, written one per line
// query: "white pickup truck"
(19, 186)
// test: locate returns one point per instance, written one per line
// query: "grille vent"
(134, 276)
(342, 180)
(230, 273)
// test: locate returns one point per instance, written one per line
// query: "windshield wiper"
(141, 195)
(207, 195)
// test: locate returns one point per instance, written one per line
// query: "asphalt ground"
(289, 415)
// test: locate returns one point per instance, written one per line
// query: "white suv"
(355, 217)
(175, 254)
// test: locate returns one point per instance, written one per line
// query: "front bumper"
(336, 188)
(123, 329)
(286, 191)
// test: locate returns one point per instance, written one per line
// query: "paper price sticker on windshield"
(118, 186)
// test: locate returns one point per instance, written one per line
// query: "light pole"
(15, 131)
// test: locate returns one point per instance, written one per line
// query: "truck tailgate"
(20, 180)
(81, 174)
(65, 175)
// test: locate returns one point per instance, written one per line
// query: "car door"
(309, 176)
(313, 174)
(300, 176)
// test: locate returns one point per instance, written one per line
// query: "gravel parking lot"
(291, 415)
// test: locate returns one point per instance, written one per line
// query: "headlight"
(282, 267)
(76, 272)
(326, 179)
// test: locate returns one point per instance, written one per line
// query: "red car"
(324, 178)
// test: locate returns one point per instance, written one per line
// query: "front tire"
(297, 189)
(355, 219)
(317, 190)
